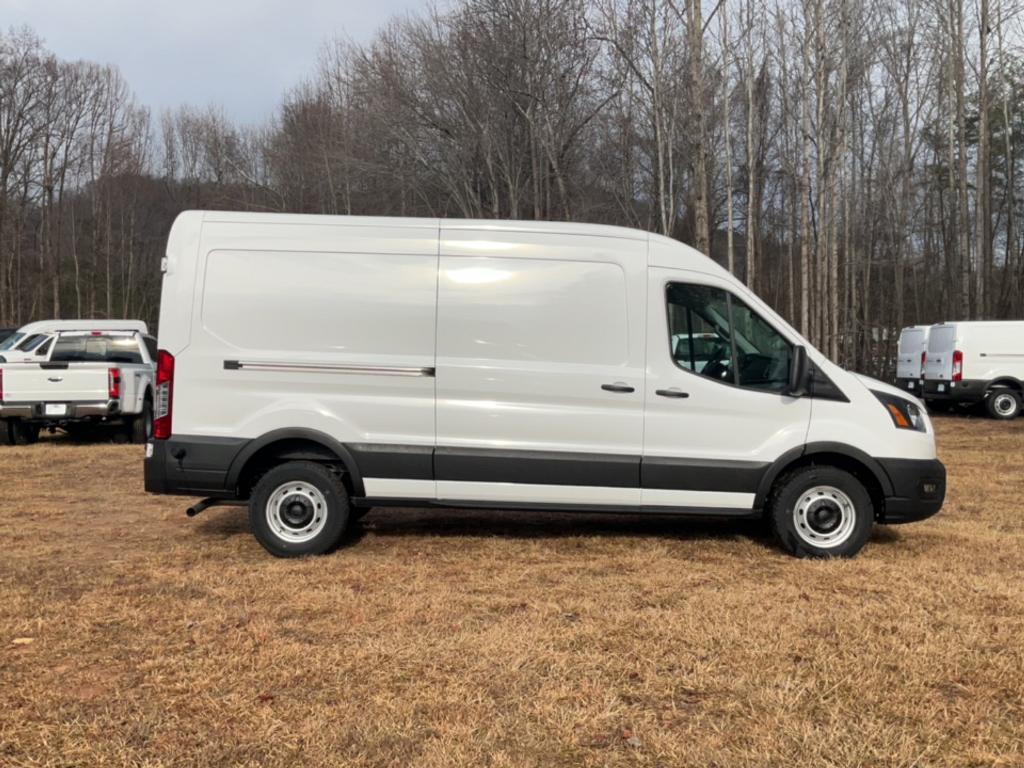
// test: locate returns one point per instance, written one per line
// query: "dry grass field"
(130, 635)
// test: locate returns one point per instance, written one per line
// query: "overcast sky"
(242, 54)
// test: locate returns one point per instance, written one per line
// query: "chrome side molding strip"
(372, 370)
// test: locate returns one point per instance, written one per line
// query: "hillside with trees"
(854, 161)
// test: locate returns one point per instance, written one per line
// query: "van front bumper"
(35, 411)
(919, 488)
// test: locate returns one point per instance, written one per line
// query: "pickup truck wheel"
(141, 428)
(23, 433)
(1003, 404)
(821, 511)
(299, 508)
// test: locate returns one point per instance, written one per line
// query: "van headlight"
(904, 414)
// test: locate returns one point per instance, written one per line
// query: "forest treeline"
(854, 161)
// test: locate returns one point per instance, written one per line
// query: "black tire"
(853, 516)
(1003, 404)
(141, 427)
(302, 511)
(23, 433)
(5, 433)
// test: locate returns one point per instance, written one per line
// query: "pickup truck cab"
(32, 342)
(86, 377)
(317, 366)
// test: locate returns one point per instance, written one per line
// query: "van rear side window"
(96, 349)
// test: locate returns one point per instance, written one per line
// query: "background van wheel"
(937, 406)
(821, 511)
(1003, 404)
(141, 427)
(299, 508)
(6, 438)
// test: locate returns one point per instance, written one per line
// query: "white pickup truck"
(87, 377)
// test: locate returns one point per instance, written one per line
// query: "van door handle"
(671, 393)
(618, 386)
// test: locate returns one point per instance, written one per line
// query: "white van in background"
(913, 347)
(32, 342)
(316, 366)
(976, 362)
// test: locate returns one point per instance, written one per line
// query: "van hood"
(880, 386)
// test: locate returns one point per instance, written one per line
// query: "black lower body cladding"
(192, 466)
(919, 488)
(207, 466)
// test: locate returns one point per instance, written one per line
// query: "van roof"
(982, 323)
(491, 225)
(49, 326)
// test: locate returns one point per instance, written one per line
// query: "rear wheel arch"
(839, 455)
(292, 444)
(1006, 382)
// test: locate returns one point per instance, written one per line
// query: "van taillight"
(924, 359)
(958, 365)
(114, 383)
(1, 385)
(164, 402)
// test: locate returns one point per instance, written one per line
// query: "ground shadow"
(437, 522)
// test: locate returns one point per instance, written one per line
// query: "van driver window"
(713, 333)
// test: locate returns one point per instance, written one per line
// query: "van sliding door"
(539, 368)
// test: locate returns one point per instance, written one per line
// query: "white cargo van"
(976, 362)
(913, 348)
(317, 366)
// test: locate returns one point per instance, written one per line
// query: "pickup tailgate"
(56, 382)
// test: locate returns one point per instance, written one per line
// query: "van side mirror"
(798, 370)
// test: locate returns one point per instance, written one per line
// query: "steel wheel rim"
(824, 517)
(1004, 404)
(296, 512)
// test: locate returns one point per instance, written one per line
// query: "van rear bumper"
(913, 386)
(193, 466)
(966, 391)
(919, 488)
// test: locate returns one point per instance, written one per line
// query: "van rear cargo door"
(941, 343)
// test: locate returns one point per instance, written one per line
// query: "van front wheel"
(821, 511)
(299, 508)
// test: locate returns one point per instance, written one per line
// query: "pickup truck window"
(151, 347)
(96, 349)
(11, 341)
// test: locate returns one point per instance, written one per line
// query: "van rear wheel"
(1003, 404)
(299, 508)
(821, 511)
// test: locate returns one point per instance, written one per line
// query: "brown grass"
(464, 638)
